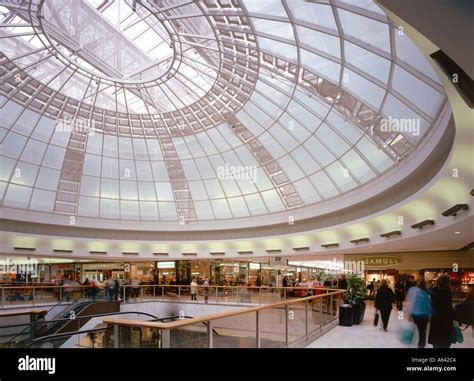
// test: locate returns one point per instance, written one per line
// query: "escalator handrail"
(56, 335)
(67, 319)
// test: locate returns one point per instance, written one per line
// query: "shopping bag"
(376, 318)
(457, 334)
(407, 332)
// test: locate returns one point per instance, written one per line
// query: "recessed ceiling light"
(457, 232)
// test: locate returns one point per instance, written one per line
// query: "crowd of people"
(433, 305)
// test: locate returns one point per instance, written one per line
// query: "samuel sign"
(380, 261)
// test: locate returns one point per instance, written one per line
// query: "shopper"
(110, 288)
(465, 309)
(441, 326)
(383, 302)
(206, 289)
(342, 283)
(419, 309)
(400, 294)
(194, 289)
(371, 288)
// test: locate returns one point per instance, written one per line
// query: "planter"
(358, 311)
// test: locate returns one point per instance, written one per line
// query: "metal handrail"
(28, 325)
(56, 335)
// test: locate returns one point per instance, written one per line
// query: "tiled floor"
(366, 335)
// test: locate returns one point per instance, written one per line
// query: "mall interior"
(236, 174)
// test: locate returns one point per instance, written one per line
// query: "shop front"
(98, 271)
(410, 266)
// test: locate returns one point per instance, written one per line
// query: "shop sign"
(165, 265)
(254, 266)
(380, 261)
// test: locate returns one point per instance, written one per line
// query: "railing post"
(260, 295)
(209, 334)
(142, 292)
(162, 292)
(238, 294)
(116, 336)
(306, 318)
(179, 292)
(165, 338)
(217, 293)
(60, 293)
(284, 293)
(321, 313)
(124, 292)
(154, 292)
(287, 313)
(34, 295)
(3, 297)
(257, 328)
(331, 301)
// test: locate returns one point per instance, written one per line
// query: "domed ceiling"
(190, 112)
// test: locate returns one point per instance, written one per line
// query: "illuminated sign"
(165, 265)
(254, 266)
(380, 261)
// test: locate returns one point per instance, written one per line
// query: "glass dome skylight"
(181, 110)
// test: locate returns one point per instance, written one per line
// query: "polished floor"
(366, 335)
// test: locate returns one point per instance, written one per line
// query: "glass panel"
(357, 167)
(109, 208)
(109, 188)
(401, 118)
(377, 157)
(279, 49)
(129, 210)
(306, 191)
(256, 204)
(42, 200)
(221, 209)
(323, 184)
(331, 140)
(417, 92)
(146, 191)
(17, 196)
(314, 13)
(149, 211)
(305, 161)
(365, 90)
(48, 179)
(92, 165)
(341, 176)
(167, 211)
(320, 65)
(164, 192)
(367, 30)
(318, 151)
(24, 174)
(275, 28)
(90, 186)
(238, 207)
(320, 41)
(88, 207)
(290, 168)
(128, 190)
(267, 7)
(203, 210)
(273, 201)
(367, 61)
(34, 151)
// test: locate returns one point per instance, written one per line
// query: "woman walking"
(442, 316)
(383, 302)
(420, 309)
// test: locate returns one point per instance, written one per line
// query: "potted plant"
(356, 293)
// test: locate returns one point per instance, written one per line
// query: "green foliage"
(356, 290)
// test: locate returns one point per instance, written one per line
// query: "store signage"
(165, 265)
(277, 259)
(254, 266)
(380, 261)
